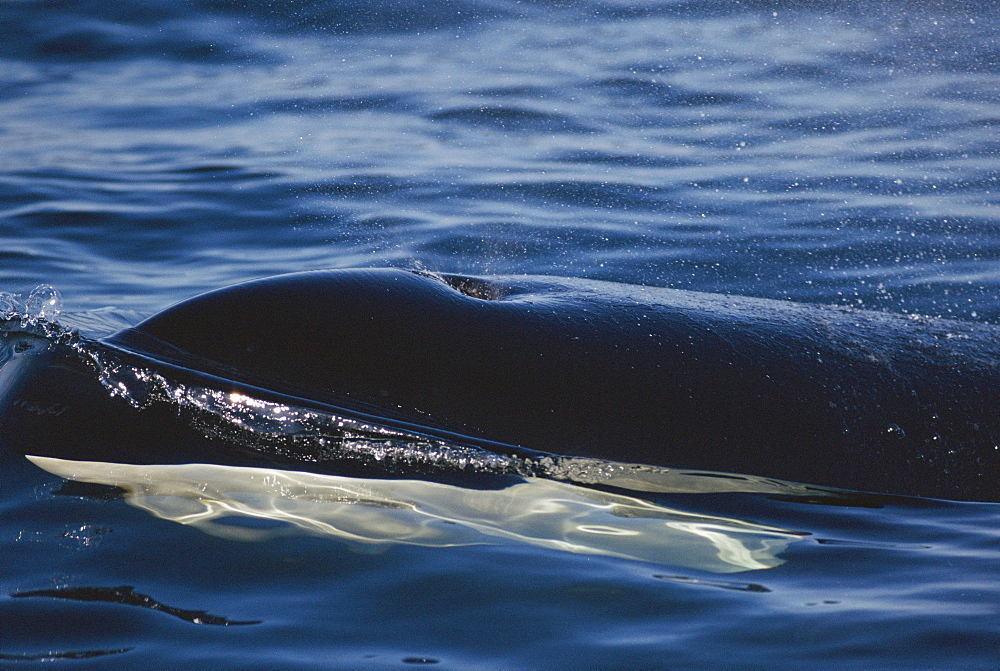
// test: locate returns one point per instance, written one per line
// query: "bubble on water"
(43, 303)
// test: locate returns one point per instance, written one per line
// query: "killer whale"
(531, 366)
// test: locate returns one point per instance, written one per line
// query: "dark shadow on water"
(51, 655)
(127, 595)
(90, 490)
(720, 584)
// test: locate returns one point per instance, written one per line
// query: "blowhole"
(473, 287)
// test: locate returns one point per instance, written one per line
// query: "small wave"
(512, 119)
(22, 320)
(44, 303)
(648, 91)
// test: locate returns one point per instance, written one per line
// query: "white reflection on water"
(535, 511)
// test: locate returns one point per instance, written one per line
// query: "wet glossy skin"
(813, 394)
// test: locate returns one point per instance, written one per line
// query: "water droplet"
(10, 304)
(44, 303)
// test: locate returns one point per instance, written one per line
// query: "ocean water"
(832, 152)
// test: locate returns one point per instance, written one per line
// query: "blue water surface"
(832, 151)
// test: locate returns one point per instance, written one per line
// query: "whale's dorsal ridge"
(666, 377)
